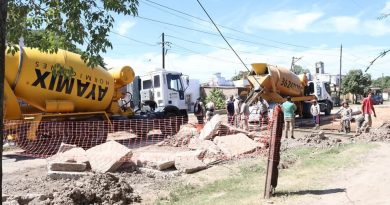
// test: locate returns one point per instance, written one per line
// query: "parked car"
(378, 99)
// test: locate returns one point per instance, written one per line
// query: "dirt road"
(368, 183)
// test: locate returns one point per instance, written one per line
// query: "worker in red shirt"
(367, 110)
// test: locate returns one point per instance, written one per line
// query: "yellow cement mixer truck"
(61, 87)
(275, 83)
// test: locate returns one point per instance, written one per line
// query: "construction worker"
(289, 109)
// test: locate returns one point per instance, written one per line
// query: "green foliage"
(382, 82)
(299, 70)
(52, 24)
(217, 97)
(356, 82)
(241, 75)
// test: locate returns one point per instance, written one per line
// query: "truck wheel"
(328, 108)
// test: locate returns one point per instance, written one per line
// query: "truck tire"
(328, 109)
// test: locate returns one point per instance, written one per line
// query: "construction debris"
(66, 166)
(211, 128)
(235, 145)
(189, 165)
(108, 157)
(156, 160)
(182, 138)
(74, 154)
(95, 189)
(65, 147)
(56, 175)
(208, 145)
(382, 133)
(121, 135)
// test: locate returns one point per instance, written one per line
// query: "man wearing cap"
(289, 109)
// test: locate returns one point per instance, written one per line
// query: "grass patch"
(312, 169)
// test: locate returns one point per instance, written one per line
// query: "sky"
(260, 31)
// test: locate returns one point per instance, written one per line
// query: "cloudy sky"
(260, 31)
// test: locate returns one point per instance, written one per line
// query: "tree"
(299, 70)
(217, 97)
(64, 24)
(240, 75)
(382, 82)
(356, 83)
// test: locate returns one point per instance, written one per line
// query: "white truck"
(159, 91)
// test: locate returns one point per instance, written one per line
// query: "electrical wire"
(224, 37)
(132, 39)
(226, 27)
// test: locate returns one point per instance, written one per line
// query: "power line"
(135, 40)
(222, 26)
(199, 53)
(209, 45)
(239, 58)
(214, 34)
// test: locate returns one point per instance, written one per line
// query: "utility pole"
(293, 61)
(3, 36)
(163, 51)
(341, 57)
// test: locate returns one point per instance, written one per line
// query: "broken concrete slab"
(76, 155)
(235, 145)
(121, 135)
(108, 157)
(66, 175)
(208, 145)
(155, 160)
(189, 165)
(66, 166)
(211, 128)
(189, 155)
(65, 147)
(187, 130)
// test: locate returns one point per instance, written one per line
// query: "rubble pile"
(181, 138)
(382, 133)
(319, 140)
(94, 189)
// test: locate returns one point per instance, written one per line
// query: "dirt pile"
(96, 189)
(382, 133)
(319, 140)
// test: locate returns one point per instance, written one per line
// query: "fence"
(43, 139)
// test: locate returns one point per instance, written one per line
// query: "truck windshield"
(174, 82)
(146, 84)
